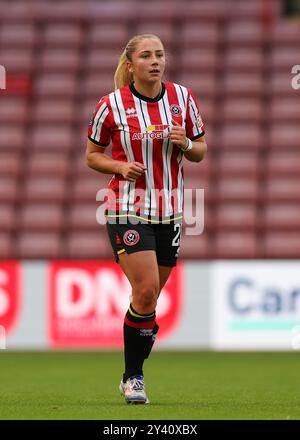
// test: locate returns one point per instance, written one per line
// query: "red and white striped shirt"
(139, 128)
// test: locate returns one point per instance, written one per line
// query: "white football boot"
(134, 390)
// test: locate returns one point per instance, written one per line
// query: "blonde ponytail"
(122, 75)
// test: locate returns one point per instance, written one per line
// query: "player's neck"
(149, 90)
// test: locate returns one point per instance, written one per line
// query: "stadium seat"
(41, 217)
(200, 60)
(62, 35)
(12, 136)
(284, 109)
(238, 164)
(13, 109)
(51, 138)
(7, 217)
(6, 246)
(283, 163)
(282, 189)
(46, 189)
(59, 60)
(281, 216)
(85, 189)
(17, 59)
(283, 58)
(236, 217)
(107, 35)
(102, 62)
(243, 85)
(281, 245)
(58, 111)
(83, 217)
(39, 245)
(285, 33)
(56, 85)
(244, 32)
(237, 189)
(243, 59)
(95, 86)
(165, 32)
(285, 134)
(193, 35)
(279, 84)
(10, 164)
(18, 35)
(8, 189)
(242, 110)
(246, 136)
(195, 247)
(88, 244)
(203, 85)
(55, 164)
(236, 245)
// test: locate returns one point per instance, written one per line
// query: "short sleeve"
(100, 125)
(194, 124)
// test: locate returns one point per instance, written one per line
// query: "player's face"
(148, 61)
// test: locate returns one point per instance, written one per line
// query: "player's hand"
(178, 135)
(132, 170)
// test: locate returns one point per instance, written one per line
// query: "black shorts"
(161, 238)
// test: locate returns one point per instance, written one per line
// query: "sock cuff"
(135, 314)
(140, 324)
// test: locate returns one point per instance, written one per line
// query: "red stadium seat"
(95, 86)
(242, 110)
(58, 111)
(165, 32)
(107, 35)
(193, 35)
(237, 189)
(41, 245)
(13, 109)
(246, 33)
(281, 245)
(83, 217)
(59, 60)
(285, 109)
(195, 246)
(10, 164)
(63, 35)
(241, 59)
(56, 85)
(81, 170)
(246, 136)
(200, 60)
(41, 217)
(236, 245)
(46, 189)
(203, 169)
(8, 189)
(19, 35)
(283, 58)
(12, 136)
(7, 217)
(243, 85)
(238, 164)
(282, 189)
(283, 163)
(280, 84)
(285, 33)
(285, 134)
(85, 188)
(236, 217)
(6, 247)
(102, 62)
(44, 137)
(88, 245)
(203, 85)
(281, 216)
(17, 60)
(55, 164)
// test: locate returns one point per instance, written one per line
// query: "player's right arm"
(99, 161)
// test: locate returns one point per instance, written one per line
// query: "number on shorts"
(176, 239)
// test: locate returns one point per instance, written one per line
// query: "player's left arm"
(197, 153)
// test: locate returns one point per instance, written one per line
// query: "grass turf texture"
(180, 385)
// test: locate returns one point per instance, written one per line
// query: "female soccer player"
(152, 124)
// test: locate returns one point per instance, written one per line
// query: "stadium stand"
(237, 58)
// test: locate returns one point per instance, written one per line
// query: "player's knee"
(147, 297)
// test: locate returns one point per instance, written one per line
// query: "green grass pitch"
(180, 386)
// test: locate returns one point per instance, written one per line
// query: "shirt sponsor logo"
(159, 131)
